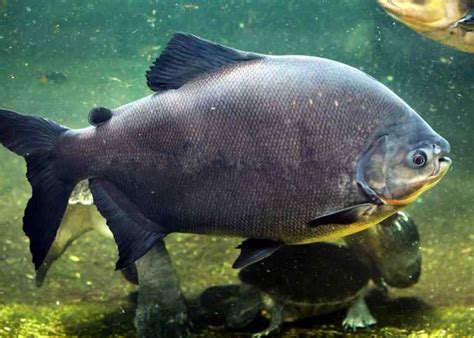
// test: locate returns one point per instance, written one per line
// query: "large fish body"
(257, 149)
(242, 144)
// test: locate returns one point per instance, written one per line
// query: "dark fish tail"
(35, 138)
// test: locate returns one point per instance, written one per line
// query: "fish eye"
(418, 159)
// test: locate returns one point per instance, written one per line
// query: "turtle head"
(391, 250)
(398, 261)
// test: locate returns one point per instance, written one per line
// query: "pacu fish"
(449, 22)
(277, 149)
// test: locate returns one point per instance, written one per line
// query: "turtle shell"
(309, 274)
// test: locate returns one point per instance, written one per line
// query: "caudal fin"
(34, 138)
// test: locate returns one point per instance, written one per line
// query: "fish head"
(404, 161)
(426, 15)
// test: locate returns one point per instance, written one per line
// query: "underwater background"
(60, 58)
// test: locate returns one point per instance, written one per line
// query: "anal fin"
(130, 228)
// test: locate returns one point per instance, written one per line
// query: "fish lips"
(441, 149)
(442, 167)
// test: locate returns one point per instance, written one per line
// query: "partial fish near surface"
(278, 149)
(450, 22)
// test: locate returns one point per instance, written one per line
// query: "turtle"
(391, 250)
(304, 281)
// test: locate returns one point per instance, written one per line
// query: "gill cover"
(370, 173)
(383, 175)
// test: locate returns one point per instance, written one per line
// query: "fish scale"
(276, 149)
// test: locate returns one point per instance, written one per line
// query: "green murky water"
(103, 49)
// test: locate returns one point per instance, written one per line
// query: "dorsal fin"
(186, 57)
(99, 115)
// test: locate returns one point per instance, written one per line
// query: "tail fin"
(34, 138)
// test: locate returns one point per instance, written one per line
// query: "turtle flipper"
(231, 306)
(358, 315)
(276, 309)
(246, 309)
(161, 308)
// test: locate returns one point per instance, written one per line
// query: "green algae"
(106, 319)
(90, 319)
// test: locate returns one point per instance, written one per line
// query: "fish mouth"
(444, 163)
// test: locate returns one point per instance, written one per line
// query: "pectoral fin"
(253, 250)
(345, 216)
